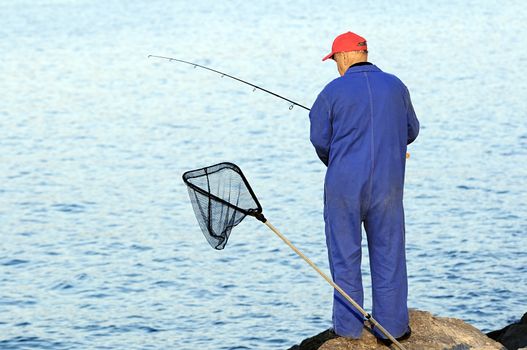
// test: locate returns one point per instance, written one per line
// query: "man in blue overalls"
(361, 124)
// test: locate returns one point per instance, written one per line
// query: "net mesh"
(221, 198)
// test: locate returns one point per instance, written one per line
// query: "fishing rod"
(255, 87)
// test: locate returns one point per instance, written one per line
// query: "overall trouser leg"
(343, 238)
(386, 244)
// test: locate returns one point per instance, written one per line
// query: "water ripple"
(13, 262)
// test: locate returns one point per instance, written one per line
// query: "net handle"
(334, 285)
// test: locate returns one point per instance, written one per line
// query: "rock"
(315, 342)
(428, 333)
(514, 336)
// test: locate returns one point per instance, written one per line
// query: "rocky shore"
(429, 333)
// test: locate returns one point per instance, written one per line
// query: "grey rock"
(428, 333)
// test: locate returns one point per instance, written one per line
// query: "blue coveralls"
(361, 124)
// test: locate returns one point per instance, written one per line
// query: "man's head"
(348, 49)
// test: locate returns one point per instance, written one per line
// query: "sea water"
(99, 247)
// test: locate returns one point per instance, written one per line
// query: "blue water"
(99, 246)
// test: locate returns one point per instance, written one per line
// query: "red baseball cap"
(347, 42)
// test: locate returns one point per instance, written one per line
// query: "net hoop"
(191, 174)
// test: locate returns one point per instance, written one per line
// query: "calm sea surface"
(99, 247)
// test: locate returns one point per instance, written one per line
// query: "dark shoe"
(388, 342)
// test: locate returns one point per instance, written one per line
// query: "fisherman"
(361, 124)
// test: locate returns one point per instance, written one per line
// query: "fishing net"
(221, 198)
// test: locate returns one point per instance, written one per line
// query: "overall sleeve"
(320, 132)
(411, 118)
